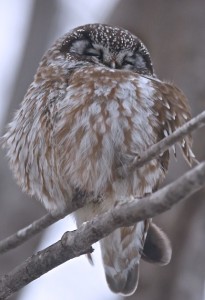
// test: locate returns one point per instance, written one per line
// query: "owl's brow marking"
(29, 231)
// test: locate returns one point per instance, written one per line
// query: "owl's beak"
(113, 64)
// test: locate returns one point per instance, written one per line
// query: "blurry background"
(174, 32)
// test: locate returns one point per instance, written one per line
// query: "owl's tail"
(122, 250)
(121, 253)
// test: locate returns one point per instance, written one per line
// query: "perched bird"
(95, 105)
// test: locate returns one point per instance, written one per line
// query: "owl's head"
(100, 44)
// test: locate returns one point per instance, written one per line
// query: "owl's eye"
(134, 62)
(93, 52)
(128, 61)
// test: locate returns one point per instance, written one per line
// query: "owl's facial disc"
(99, 54)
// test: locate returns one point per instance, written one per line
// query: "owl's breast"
(105, 121)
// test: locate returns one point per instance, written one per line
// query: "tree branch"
(170, 140)
(79, 242)
(29, 231)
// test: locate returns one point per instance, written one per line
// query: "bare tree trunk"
(174, 33)
(17, 210)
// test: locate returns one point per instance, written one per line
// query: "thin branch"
(170, 140)
(78, 242)
(29, 231)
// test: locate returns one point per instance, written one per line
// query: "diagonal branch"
(79, 242)
(170, 140)
(29, 231)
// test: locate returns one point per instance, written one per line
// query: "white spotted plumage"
(94, 106)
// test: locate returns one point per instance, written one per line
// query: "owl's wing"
(172, 109)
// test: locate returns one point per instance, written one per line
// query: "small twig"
(29, 231)
(78, 242)
(170, 140)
